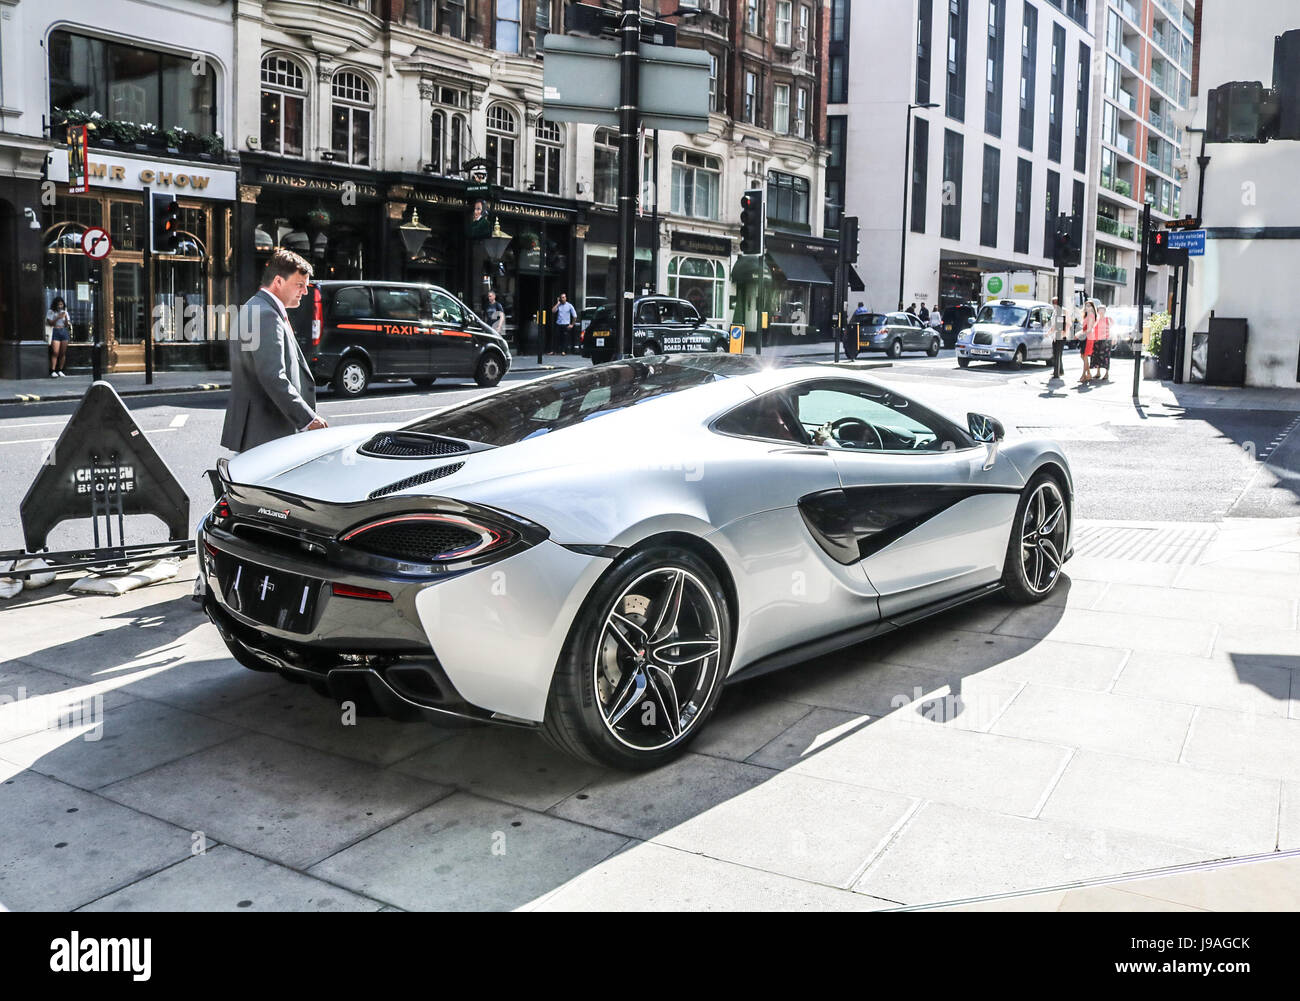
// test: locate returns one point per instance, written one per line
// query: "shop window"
(695, 182)
(129, 83)
(501, 129)
(787, 198)
(350, 134)
(546, 158)
(284, 98)
(700, 282)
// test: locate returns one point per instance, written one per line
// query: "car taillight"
(212, 550)
(429, 538)
(318, 315)
(367, 593)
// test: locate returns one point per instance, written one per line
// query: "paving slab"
(652, 877)
(514, 766)
(952, 853)
(1111, 898)
(797, 826)
(469, 853)
(1243, 886)
(1205, 681)
(644, 805)
(1065, 665)
(1143, 728)
(1198, 605)
(1116, 571)
(1245, 744)
(298, 714)
(945, 764)
(1111, 629)
(747, 718)
(123, 742)
(225, 879)
(1258, 583)
(1259, 644)
(1221, 813)
(1288, 821)
(1268, 561)
(61, 847)
(282, 801)
(33, 700)
(809, 735)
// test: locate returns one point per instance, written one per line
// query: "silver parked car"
(597, 553)
(895, 333)
(1010, 331)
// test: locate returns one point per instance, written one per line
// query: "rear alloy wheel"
(352, 377)
(896, 348)
(1037, 547)
(643, 667)
(489, 370)
(933, 349)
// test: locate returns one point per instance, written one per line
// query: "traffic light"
(1157, 247)
(1239, 112)
(165, 230)
(849, 239)
(1067, 245)
(752, 222)
(1286, 84)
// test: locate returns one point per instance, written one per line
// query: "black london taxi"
(356, 332)
(660, 325)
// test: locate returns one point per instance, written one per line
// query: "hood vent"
(409, 445)
(414, 481)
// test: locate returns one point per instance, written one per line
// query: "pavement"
(1133, 743)
(74, 386)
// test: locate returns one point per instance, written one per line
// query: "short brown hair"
(284, 263)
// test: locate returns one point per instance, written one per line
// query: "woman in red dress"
(1089, 337)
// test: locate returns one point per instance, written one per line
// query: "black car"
(955, 320)
(354, 332)
(660, 325)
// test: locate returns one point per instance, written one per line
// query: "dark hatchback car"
(355, 332)
(660, 325)
(955, 320)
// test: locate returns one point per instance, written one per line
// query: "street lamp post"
(907, 169)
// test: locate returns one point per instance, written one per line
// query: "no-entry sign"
(96, 243)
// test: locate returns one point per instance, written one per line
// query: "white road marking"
(37, 441)
(179, 420)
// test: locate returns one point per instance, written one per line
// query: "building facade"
(1144, 76)
(153, 86)
(998, 94)
(1247, 207)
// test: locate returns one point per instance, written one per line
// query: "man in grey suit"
(272, 392)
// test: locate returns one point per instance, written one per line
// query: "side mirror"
(984, 428)
(698, 321)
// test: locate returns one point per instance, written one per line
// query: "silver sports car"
(598, 552)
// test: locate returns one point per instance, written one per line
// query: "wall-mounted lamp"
(30, 215)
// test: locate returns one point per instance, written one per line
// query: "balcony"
(1117, 185)
(1130, 57)
(1123, 143)
(1105, 224)
(1104, 272)
(1129, 11)
(1127, 100)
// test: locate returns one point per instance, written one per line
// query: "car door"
(405, 347)
(929, 521)
(648, 324)
(1038, 333)
(454, 352)
(350, 323)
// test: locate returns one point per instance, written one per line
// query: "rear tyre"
(963, 362)
(933, 349)
(1036, 549)
(491, 367)
(896, 348)
(352, 377)
(643, 666)
(425, 381)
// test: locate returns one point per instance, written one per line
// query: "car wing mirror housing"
(984, 428)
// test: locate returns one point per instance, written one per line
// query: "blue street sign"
(1192, 239)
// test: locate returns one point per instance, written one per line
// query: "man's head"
(286, 276)
(492, 297)
(860, 306)
(564, 297)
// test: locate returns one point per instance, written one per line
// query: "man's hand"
(316, 423)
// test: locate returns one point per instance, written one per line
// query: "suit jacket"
(272, 391)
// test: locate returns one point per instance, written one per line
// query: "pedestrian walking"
(911, 309)
(565, 317)
(936, 319)
(852, 336)
(272, 391)
(59, 333)
(495, 315)
(924, 315)
(1058, 339)
(1101, 344)
(1089, 334)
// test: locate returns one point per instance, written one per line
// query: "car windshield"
(1122, 316)
(560, 401)
(1006, 316)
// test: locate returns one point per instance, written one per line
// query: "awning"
(856, 283)
(798, 268)
(749, 267)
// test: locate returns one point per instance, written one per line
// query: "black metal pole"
(98, 316)
(1058, 336)
(629, 166)
(1180, 343)
(148, 288)
(902, 232)
(1141, 291)
(654, 214)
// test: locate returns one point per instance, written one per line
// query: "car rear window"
(351, 302)
(873, 319)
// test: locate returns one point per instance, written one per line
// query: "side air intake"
(414, 481)
(408, 445)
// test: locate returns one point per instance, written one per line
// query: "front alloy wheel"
(1038, 544)
(644, 665)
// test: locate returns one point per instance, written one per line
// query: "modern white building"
(1144, 74)
(1005, 149)
(1250, 209)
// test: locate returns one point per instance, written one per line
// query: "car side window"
(869, 419)
(401, 304)
(685, 313)
(648, 313)
(351, 303)
(444, 309)
(768, 417)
